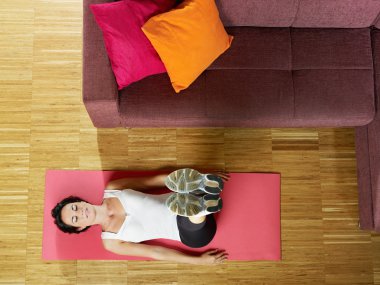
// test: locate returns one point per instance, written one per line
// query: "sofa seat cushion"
(331, 49)
(333, 97)
(294, 49)
(213, 100)
(256, 48)
(255, 101)
(333, 77)
(152, 102)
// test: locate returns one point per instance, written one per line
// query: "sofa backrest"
(300, 13)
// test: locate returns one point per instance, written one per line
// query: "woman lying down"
(129, 216)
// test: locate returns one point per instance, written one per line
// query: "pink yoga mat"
(248, 225)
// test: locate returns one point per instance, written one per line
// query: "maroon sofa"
(293, 63)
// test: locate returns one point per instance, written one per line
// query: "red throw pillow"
(131, 54)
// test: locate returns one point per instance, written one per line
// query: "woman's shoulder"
(108, 193)
(110, 244)
(115, 192)
(107, 190)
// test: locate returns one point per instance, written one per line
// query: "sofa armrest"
(368, 162)
(364, 178)
(368, 154)
(100, 94)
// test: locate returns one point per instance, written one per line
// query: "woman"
(128, 217)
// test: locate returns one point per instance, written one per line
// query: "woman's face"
(78, 214)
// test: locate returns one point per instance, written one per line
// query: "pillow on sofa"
(188, 39)
(131, 54)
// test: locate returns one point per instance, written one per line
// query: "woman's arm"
(138, 183)
(163, 253)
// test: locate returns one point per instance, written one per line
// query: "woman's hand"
(213, 257)
(222, 174)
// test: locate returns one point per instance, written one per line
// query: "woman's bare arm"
(148, 182)
(138, 183)
(163, 253)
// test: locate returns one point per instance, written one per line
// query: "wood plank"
(44, 125)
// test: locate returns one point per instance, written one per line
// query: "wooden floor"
(43, 125)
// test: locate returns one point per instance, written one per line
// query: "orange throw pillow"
(188, 39)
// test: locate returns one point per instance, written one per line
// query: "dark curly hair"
(56, 213)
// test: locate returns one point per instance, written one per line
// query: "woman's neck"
(106, 211)
(102, 214)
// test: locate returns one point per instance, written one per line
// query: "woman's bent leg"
(197, 220)
(196, 234)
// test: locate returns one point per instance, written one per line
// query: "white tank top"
(147, 217)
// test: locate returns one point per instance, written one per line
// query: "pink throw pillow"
(131, 54)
